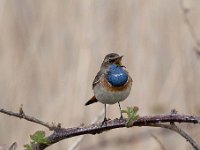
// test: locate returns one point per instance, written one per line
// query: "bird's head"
(112, 58)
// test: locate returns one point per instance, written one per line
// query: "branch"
(21, 115)
(97, 128)
(181, 132)
(61, 133)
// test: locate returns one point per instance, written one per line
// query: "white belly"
(110, 97)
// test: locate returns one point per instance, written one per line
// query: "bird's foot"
(121, 117)
(105, 121)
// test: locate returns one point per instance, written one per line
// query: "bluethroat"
(112, 83)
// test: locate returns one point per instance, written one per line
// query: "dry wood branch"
(97, 128)
(173, 127)
(60, 134)
(21, 115)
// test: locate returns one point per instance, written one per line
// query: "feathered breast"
(110, 87)
(117, 76)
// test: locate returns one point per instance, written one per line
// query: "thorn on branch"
(173, 112)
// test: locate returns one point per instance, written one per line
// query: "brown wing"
(96, 79)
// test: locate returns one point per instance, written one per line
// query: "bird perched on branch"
(112, 83)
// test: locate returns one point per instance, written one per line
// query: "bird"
(112, 84)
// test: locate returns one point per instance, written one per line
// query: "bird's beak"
(118, 60)
(123, 66)
(120, 57)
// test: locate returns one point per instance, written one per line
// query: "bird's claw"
(105, 121)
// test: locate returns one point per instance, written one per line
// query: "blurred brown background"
(50, 52)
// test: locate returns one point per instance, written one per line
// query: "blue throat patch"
(117, 76)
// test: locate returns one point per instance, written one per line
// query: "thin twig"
(21, 115)
(159, 142)
(13, 146)
(179, 131)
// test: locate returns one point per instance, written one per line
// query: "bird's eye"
(111, 60)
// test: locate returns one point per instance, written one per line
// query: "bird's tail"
(92, 100)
